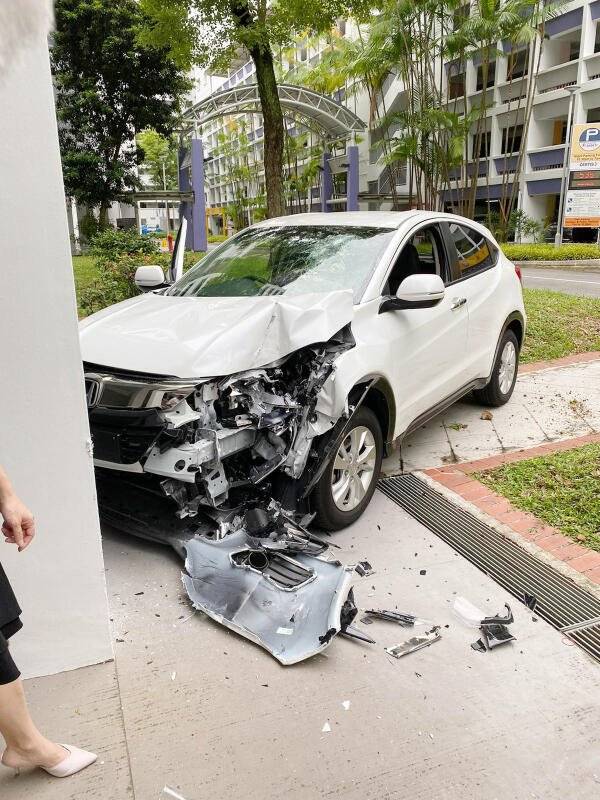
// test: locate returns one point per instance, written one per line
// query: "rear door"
(478, 280)
(427, 344)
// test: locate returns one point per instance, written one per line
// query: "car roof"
(369, 219)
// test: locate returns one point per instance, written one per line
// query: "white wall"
(44, 433)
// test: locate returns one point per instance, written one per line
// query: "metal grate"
(560, 601)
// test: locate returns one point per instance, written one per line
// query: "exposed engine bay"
(220, 444)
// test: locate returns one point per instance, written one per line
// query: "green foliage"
(108, 86)
(158, 156)
(562, 489)
(519, 225)
(114, 279)
(88, 227)
(559, 325)
(111, 243)
(548, 252)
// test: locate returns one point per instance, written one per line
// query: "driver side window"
(422, 253)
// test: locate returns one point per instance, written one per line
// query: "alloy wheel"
(353, 468)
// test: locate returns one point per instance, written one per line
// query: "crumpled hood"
(203, 337)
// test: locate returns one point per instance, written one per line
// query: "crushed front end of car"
(213, 445)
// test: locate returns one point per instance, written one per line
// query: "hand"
(19, 526)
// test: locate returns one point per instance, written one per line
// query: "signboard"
(585, 147)
(582, 203)
(582, 208)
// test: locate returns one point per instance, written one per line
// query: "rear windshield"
(287, 260)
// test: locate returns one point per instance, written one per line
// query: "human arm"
(18, 526)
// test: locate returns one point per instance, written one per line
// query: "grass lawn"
(562, 489)
(84, 270)
(559, 325)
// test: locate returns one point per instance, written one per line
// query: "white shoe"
(74, 762)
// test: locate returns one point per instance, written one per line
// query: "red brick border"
(567, 361)
(458, 478)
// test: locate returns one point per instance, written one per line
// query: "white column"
(44, 434)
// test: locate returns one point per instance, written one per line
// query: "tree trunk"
(273, 129)
(103, 216)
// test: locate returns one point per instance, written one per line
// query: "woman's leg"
(25, 745)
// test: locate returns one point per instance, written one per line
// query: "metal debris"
(414, 643)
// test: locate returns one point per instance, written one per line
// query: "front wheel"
(504, 373)
(347, 484)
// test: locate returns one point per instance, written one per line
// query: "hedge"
(548, 252)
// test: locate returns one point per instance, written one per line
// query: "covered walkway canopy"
(318, 112)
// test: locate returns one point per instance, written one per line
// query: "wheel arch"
(515, 323)
(380, 399)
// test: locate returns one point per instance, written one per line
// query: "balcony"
(511, 91)
(558, 77)
(506, 164)
(482, 170)
(592, 65)
(544, 158)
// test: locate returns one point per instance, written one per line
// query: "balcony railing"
(506, 164)
(547, 158)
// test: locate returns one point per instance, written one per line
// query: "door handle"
(457, 302)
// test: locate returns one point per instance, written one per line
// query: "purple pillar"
(185, 208)
(326, 183)
(352, 179)
(191, 178)
(199, 240)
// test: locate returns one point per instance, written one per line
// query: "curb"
(525, 528)
(557, 363)
(590, 585)
(585, 265)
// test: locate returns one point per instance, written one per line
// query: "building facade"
(570, 58)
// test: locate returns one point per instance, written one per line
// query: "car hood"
(203, 337)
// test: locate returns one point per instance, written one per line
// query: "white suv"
(287, 361)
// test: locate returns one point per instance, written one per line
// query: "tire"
(501, 385)
(364, 433)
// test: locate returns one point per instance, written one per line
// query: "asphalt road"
(569, 281)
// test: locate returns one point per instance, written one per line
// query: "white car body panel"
(205, 337)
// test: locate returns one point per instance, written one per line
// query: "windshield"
(287, 260)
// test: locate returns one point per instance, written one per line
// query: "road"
(569, 281)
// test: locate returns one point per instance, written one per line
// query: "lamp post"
(565, 174)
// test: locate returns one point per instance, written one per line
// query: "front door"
(428, 344)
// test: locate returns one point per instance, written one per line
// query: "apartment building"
(570, 58)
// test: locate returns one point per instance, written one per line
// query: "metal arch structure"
(326, 117)
(318, 112)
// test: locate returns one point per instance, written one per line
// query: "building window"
(460, 15)
(517, 64)
(484, 144)
(456, 86)
(511, 139)
(491, 76)
(597, 39)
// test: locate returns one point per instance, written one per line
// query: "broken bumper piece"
(289, 604)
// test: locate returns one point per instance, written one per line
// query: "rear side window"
(474, 252)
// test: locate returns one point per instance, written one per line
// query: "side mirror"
(416, 291)
(149, 277)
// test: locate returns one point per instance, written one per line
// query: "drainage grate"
(560, 601)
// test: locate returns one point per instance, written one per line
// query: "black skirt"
(10, 623)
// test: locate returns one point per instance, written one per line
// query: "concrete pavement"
(200, 710)
(568, 281)
(546, 406)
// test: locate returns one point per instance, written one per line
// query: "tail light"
(519, 275)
